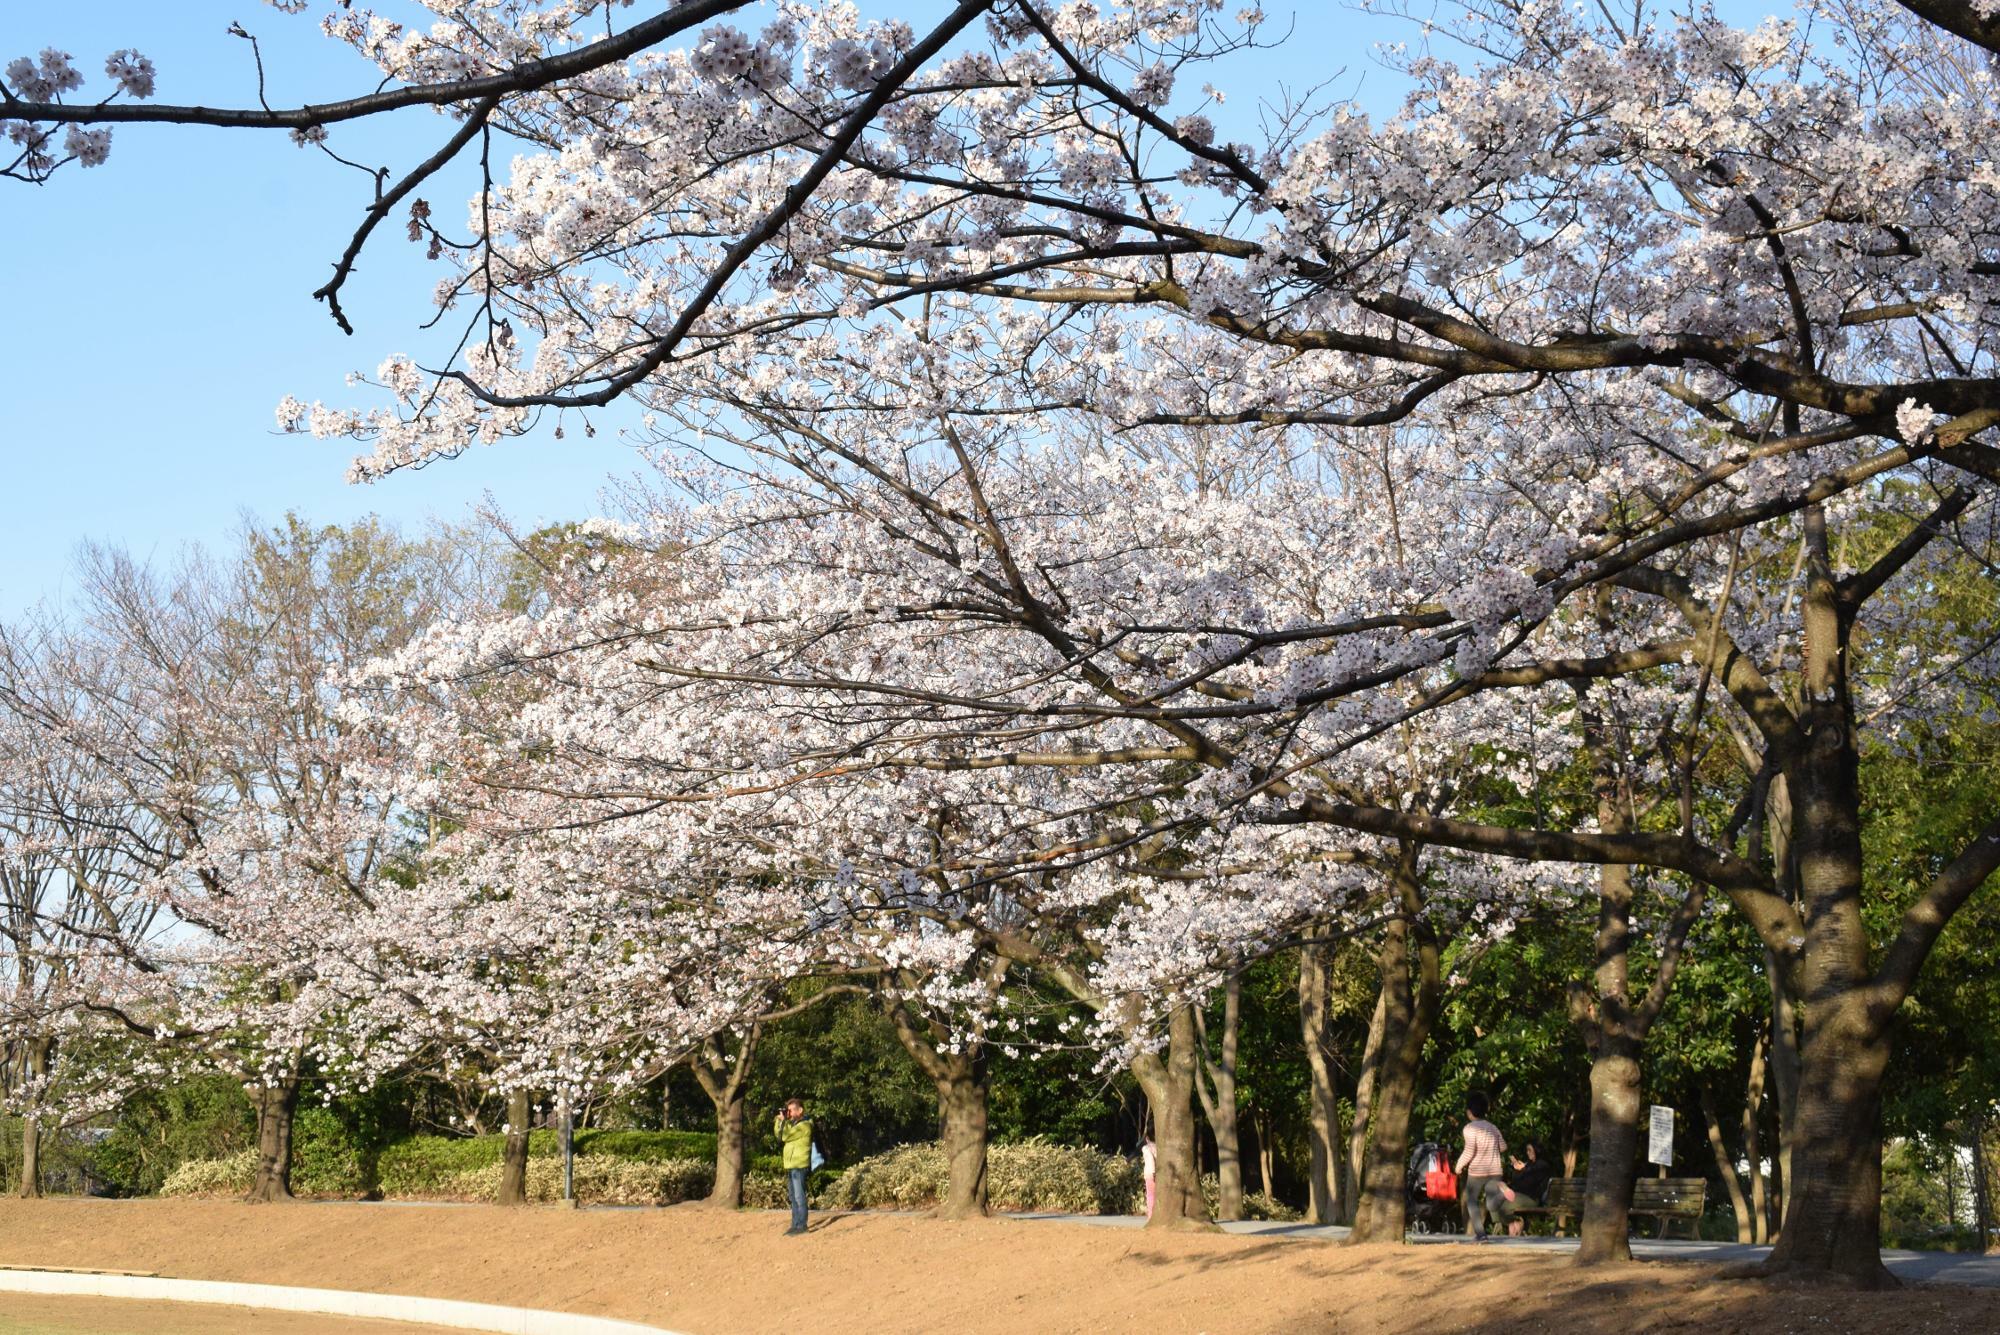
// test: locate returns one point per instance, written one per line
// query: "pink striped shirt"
(1483, 1147)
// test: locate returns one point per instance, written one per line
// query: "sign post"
(1660, 1143)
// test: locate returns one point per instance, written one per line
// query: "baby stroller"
(1433, 1189)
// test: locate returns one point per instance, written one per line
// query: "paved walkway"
(1911, 1267)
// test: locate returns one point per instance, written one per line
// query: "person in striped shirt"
(1480, 1165)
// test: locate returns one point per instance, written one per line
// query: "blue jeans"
(795, 1182)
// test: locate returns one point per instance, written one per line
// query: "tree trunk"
(1725, 1164)
(1622, 1021)
(1217, 1087)
(1833, 1177)
(1325, 1203)
(514, 1152)
(31, 1158)
(1169, 1086)
(960, 1080)
(1260, 1121)
(276, 1103)
(1364, 1104)
(1784, 1073)
(1614, 1151)
(1753, 1148)
(1982, 1184)
(1382, 1209)
(725, 1078)
(962, 1133)
(34, 1066)
(1832, 1227)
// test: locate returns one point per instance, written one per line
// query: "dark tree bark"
(1784, 1073)
(1833, 1180)
(514, 1152)
(1216, 1085)
(277, 1103)
(1725, 1164)
(1382, 1206)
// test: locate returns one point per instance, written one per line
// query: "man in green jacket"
(795, 1132)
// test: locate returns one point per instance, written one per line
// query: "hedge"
(428, 1165)
(641, 1168)
(1027, 1175)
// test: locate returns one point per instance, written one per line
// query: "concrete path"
(1912, 1267)
(395, 1307)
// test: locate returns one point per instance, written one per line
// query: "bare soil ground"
(711, 1273)
(33, 1314)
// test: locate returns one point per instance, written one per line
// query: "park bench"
(1664, 1198)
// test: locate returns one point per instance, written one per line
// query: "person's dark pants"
(1485, 1197)
(796, 1185)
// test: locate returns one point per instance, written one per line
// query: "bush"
(161, 1127)
(428, 1165)
(600, 1180)
(1256, 1205)
(1028, 1175)
(325, 1159)
(229, 1176)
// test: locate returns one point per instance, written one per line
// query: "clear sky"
(157, 307)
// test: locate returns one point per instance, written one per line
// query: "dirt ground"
(710, 1273)
(33, 1314)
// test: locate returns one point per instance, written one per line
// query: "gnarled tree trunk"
(514, 1152)
(1833, 1173)
(277, 1102)
(962, 1133)
(1833, 1207)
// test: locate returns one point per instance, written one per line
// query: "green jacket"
(797, 1138)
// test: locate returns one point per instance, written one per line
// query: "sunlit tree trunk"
(1327, 1203)
(724, 1076)
(514, 1151)
(1168, 1082)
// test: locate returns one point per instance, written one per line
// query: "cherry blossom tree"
(1605, 297)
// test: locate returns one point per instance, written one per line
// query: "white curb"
(322, 1302)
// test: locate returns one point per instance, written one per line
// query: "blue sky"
(158, 307)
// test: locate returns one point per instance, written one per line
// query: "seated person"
(1531, 1180)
